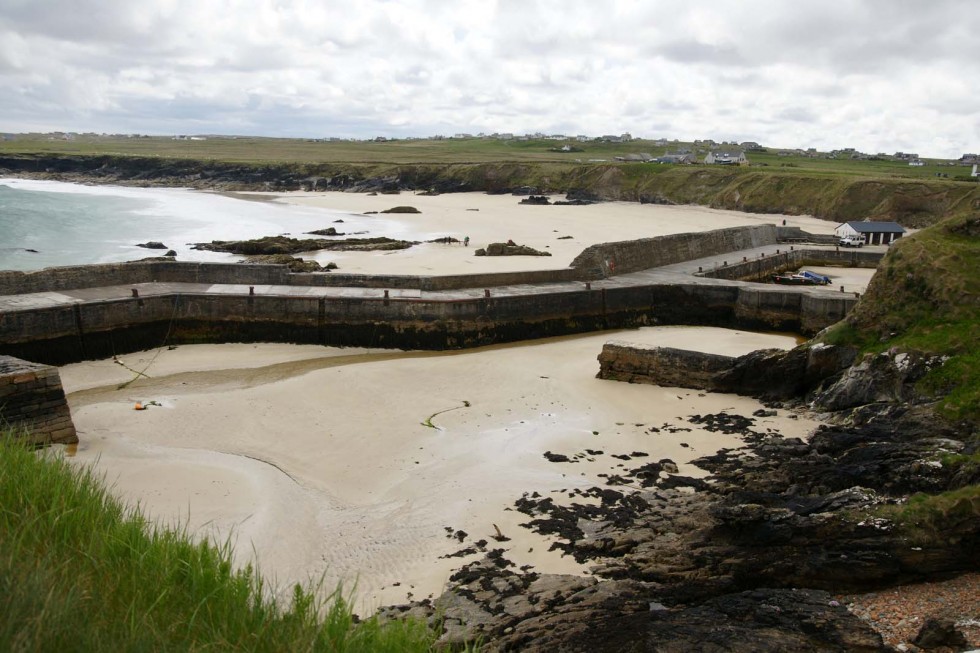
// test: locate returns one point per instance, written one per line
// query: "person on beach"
(466, 241)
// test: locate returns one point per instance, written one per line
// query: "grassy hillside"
(926, 297)
(78, 572)
(837, 197)
(257, 150)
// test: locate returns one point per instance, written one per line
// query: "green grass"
(79, 572)
(924, 517)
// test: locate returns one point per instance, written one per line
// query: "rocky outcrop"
(294, 264)
(537, 200)
(153, 244)
(773, 374)
(285, 245)
(509, 249)
(680, 567)
(402, 209)
(888, 378)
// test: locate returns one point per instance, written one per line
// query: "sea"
(48, 223)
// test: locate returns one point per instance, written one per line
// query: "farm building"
(875, 233)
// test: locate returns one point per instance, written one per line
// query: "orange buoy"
(139, 406)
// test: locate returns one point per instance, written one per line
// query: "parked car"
(852, 241)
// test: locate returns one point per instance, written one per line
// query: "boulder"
(505, 249)
(402, 209)
(940, 633)
(153, 244)
(540, 200)
(294, 264)
(329, 231)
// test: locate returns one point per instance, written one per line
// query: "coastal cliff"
(912, 203)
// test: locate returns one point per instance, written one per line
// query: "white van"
(854, 240)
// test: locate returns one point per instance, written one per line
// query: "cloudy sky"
(878, 75)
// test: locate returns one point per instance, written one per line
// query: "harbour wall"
(33, 404)
(792, 258)
(607, 259)
(101, 328)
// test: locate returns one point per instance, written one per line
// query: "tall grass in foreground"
(79, 572)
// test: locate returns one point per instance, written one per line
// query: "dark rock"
(558, 458)
(294, 264)
(153, 244)
(583, 195)
(402, 209)
(329, 231)
(755, 621)
(503, 249)
(170, 252)
(878, 378)
(940, 633)
(771, 373)
(538, 200)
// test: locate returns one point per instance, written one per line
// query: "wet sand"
(320, 460)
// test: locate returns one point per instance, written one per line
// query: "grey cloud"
(758, 69)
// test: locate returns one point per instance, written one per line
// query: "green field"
(448, 150)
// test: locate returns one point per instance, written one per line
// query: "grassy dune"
(79, 572)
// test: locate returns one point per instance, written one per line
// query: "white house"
(726, 157)
(875, 233)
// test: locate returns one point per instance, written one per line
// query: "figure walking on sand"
(466, 241)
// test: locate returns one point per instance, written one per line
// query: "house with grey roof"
(874, 233)
(679, 158)
(727, 157)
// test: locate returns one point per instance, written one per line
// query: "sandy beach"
(370, 466)
(564, 231)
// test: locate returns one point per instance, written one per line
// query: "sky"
(876, 75)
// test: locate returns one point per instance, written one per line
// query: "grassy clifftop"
(926, 297)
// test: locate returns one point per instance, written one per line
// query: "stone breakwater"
(61, 315)
(32, 401)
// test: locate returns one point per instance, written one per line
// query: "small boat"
(801, 278)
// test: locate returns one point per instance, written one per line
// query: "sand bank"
(320, 460)
(563, 231)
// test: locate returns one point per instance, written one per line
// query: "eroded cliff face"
(911, 203)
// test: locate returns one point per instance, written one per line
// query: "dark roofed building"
(875, 233)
